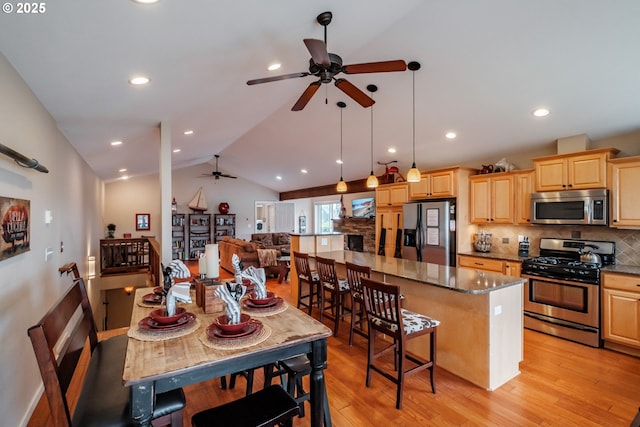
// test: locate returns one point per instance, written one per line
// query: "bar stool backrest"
(327, 271)
(355, 273)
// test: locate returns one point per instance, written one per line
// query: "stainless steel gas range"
(562, 296)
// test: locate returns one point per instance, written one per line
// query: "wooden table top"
(150, 360)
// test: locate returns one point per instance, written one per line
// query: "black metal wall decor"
(22, 160)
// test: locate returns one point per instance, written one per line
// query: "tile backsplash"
(627, 241)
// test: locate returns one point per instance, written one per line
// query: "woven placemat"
(264, 312)
(144, 335)
(234, 344)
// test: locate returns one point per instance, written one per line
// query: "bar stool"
(338, 288)
(384, 314)
(310, 277)
(354, 273)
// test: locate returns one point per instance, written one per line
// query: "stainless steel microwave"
(576, 207)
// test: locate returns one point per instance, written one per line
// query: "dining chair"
(310, 277)
(337, 288)
(385, 315)
(354, 273)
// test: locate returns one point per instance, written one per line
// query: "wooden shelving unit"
(224, 225)
(199, 234)
(178, 236)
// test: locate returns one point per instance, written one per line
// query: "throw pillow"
(263, 239)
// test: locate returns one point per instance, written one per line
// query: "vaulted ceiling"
(486, 65)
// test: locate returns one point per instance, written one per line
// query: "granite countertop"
(624, 269)
(465, 280)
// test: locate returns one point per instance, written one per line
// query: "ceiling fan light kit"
(326, 66)
(341, 187)
(414, 173)
(372, 180)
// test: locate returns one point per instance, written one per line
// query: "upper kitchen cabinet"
(392, 194)
(440, 183)
(624, 178)
(523, 189)
(576, 171)
(491, 199)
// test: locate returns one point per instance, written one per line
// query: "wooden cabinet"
(435, 184)
(523, 181)
(624, 178)
(577, 171)
(621, 309)
(389, 220)
(178, 236)
(224, 225)
(199, 234)
(492, 199)
(510, 268)
(392, 194)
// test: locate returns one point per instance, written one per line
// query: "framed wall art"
(15, 214)
(143, 221)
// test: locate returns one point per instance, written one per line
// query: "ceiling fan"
(216, 173)
(326, 66)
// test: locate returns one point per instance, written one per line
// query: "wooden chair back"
(58, 340)
(327, 271)
(302, 264)
(382, 305)
(355, 273)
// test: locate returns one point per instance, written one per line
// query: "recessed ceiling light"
(391, 150)
(139, 80)
(124, 177)
(450, 135)
(145, 1)
(303, 170)
(122, 170)
(278, 177)
(188, 132)
(540, 112)
(339, 161)
(116, 143)
(274, 66)
(177, 150)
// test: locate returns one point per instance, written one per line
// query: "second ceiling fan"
(326, 66)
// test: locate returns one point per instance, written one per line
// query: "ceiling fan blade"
(306, 96)
(359, 96)
(375, 67)
(276, 78)
(228, 176)
(318, 50)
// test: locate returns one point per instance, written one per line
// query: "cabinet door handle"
(479, 263)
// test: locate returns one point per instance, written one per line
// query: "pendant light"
(342, 186)
(372, 180)
(414, 174)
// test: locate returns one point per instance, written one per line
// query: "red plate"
(148, 324)
(152, 298)
(277, 301)
(158, 290)
(253, 327)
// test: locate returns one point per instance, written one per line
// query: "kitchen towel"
(233, 307)
(259, 279)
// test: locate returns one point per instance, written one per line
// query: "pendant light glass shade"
(414, 174)
(341, 187)
(372, 180)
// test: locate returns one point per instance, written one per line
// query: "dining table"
(166, 359)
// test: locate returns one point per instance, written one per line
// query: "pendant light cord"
(371, 136)
(341, 161)
(414, 118)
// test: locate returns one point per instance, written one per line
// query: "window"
(325, 213)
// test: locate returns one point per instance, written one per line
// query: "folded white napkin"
(179, 269)
(259, 279)
(178, 292)
(231, 293)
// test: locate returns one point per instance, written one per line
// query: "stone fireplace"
(357, 231)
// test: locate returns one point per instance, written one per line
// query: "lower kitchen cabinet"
(621, 309)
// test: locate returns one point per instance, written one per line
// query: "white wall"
(125, 198)
(29, 285)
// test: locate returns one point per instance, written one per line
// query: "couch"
(248, 251)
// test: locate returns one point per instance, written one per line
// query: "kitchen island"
(480, 336)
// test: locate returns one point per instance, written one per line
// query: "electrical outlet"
(505, 240)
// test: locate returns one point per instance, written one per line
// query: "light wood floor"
(561, 384)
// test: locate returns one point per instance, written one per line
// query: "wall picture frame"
(143, 221)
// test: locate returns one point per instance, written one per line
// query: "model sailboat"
(198, 203)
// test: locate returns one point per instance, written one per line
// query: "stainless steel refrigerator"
(430, 231)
